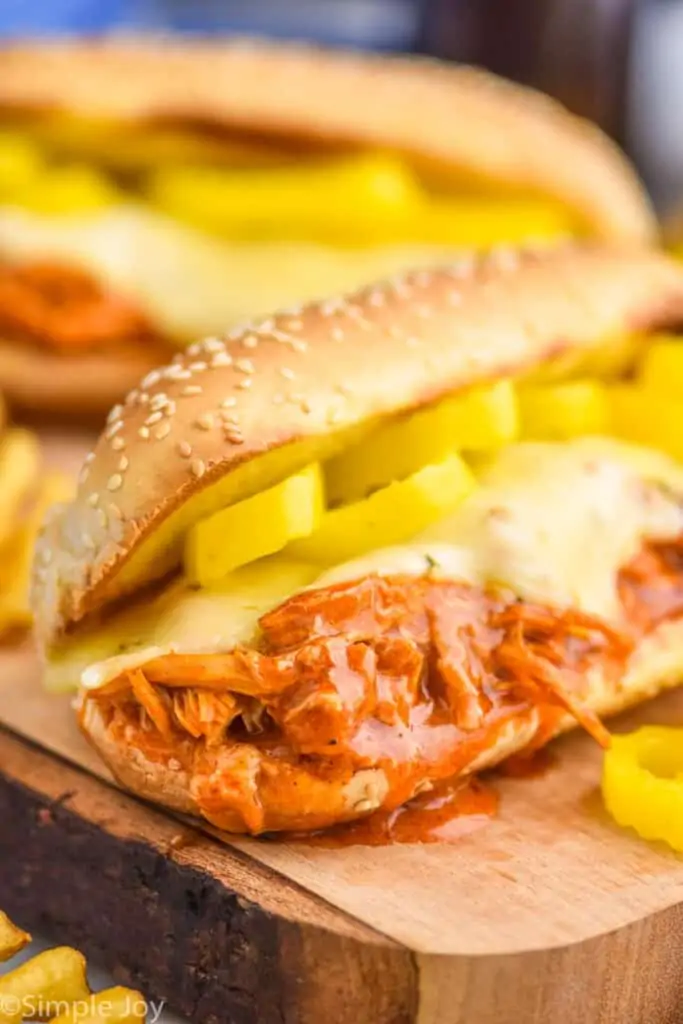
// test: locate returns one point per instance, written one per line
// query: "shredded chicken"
(411, 676)
(65, 309)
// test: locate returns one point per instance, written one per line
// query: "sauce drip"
(445, 814)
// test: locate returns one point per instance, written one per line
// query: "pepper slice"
(642, 783)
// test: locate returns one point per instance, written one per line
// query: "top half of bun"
(296, 383)
(456, 120)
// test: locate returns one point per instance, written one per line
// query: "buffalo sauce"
(414, 679)
(64, 309)
(452, 809)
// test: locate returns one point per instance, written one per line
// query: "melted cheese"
(188, 283)
(180, 619)
(553, 522)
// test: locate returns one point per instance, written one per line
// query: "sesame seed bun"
(79, 387)
(458, 123)
(231, 416)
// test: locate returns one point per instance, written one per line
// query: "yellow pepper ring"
(642, 783)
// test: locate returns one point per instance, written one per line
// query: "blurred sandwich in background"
(151, 192)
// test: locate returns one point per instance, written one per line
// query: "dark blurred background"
(616, 61)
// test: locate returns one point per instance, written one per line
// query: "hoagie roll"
(356, 548)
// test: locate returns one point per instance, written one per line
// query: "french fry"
(12, 939)
(256, 527)
(19, 467)
(389, 516)
(480, 418)
(114, 1006)
(17, 554)
(57, 976)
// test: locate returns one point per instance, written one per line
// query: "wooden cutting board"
(548, 913)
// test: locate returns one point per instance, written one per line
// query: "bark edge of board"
(217, 936)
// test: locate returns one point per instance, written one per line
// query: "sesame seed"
(113, 429)
(234, 436)
(163, 431)
(205, 421)
(89, 458)
(88, 542)
(143, 398)
(118, 444)
(115, 511)
(115, 413)
(191, 389)
(244, 384)
(214, 345)
(123, 463)
(152, 378)
(154, 418)
(376, 299)
(221, 359)
(197, 468)
(193, 350)
(337, 334)
(250, 341)
(294, 325)
(143, 432)
(331, 307)
(198, 367)
(298, 345)
(159, 401)
(183, 374)
(229, 417)
(174, 372)
(266, 326)
(335, 416)
(229, 403)
(170, 407)
(185, 449)
(114, 482)
(287, 373)
(281, 336)
(306, 407)
(93, 499)
(244, 365)
(102, 517)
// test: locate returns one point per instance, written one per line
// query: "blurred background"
(616, 61)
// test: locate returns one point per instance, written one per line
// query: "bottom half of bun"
(73, 386)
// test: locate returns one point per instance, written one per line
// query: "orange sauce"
(448, 812)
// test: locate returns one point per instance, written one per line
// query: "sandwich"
(319, 565)
(175, 190)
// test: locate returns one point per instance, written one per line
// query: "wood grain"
(218, 937)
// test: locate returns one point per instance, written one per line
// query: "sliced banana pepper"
(642, 783)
